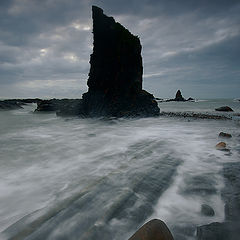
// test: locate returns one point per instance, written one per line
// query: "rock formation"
(224, 109)
(179, 96)
(115, 77)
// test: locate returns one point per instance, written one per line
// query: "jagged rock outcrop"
(179, 96)
(115, 77)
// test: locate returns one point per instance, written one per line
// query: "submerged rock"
(224, 109)
(207, 210)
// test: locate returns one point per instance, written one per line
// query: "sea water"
(73, 178)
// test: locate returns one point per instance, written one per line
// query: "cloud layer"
(189, 45)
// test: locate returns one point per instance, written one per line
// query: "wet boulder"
(224, 109)
(221, 146)
(225, 135)
(153, 230)
(207, 210)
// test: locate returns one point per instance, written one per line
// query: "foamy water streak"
(75, 178)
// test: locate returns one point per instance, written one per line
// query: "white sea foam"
(48, 162)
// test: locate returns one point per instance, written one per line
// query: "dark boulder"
(224, 109)
(225, 135)
(207, 210)
(153, 230)
(62, 107)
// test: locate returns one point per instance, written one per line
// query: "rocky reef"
(11, 104)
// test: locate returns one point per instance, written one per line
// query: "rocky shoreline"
(229, 229)
(195, 115)
(11, 104)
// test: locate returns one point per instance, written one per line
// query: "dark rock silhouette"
(207, 210)
(115, 77)
(61, 106)
(179, 96)
(11, 104)
(153, 230)
(224, 109)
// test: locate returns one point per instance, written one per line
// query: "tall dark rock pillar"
(115, 77)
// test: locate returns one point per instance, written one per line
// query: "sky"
(190, 45)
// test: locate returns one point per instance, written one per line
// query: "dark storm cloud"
(45, 45)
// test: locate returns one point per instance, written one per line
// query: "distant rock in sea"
(179, 98)
(115, 77)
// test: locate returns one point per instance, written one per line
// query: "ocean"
(72, 178)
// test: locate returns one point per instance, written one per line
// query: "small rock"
(221, 146)
(224, 109)
(207, 210)
(225, 135)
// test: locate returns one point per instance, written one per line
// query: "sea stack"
(115, 77)
(179, 97)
